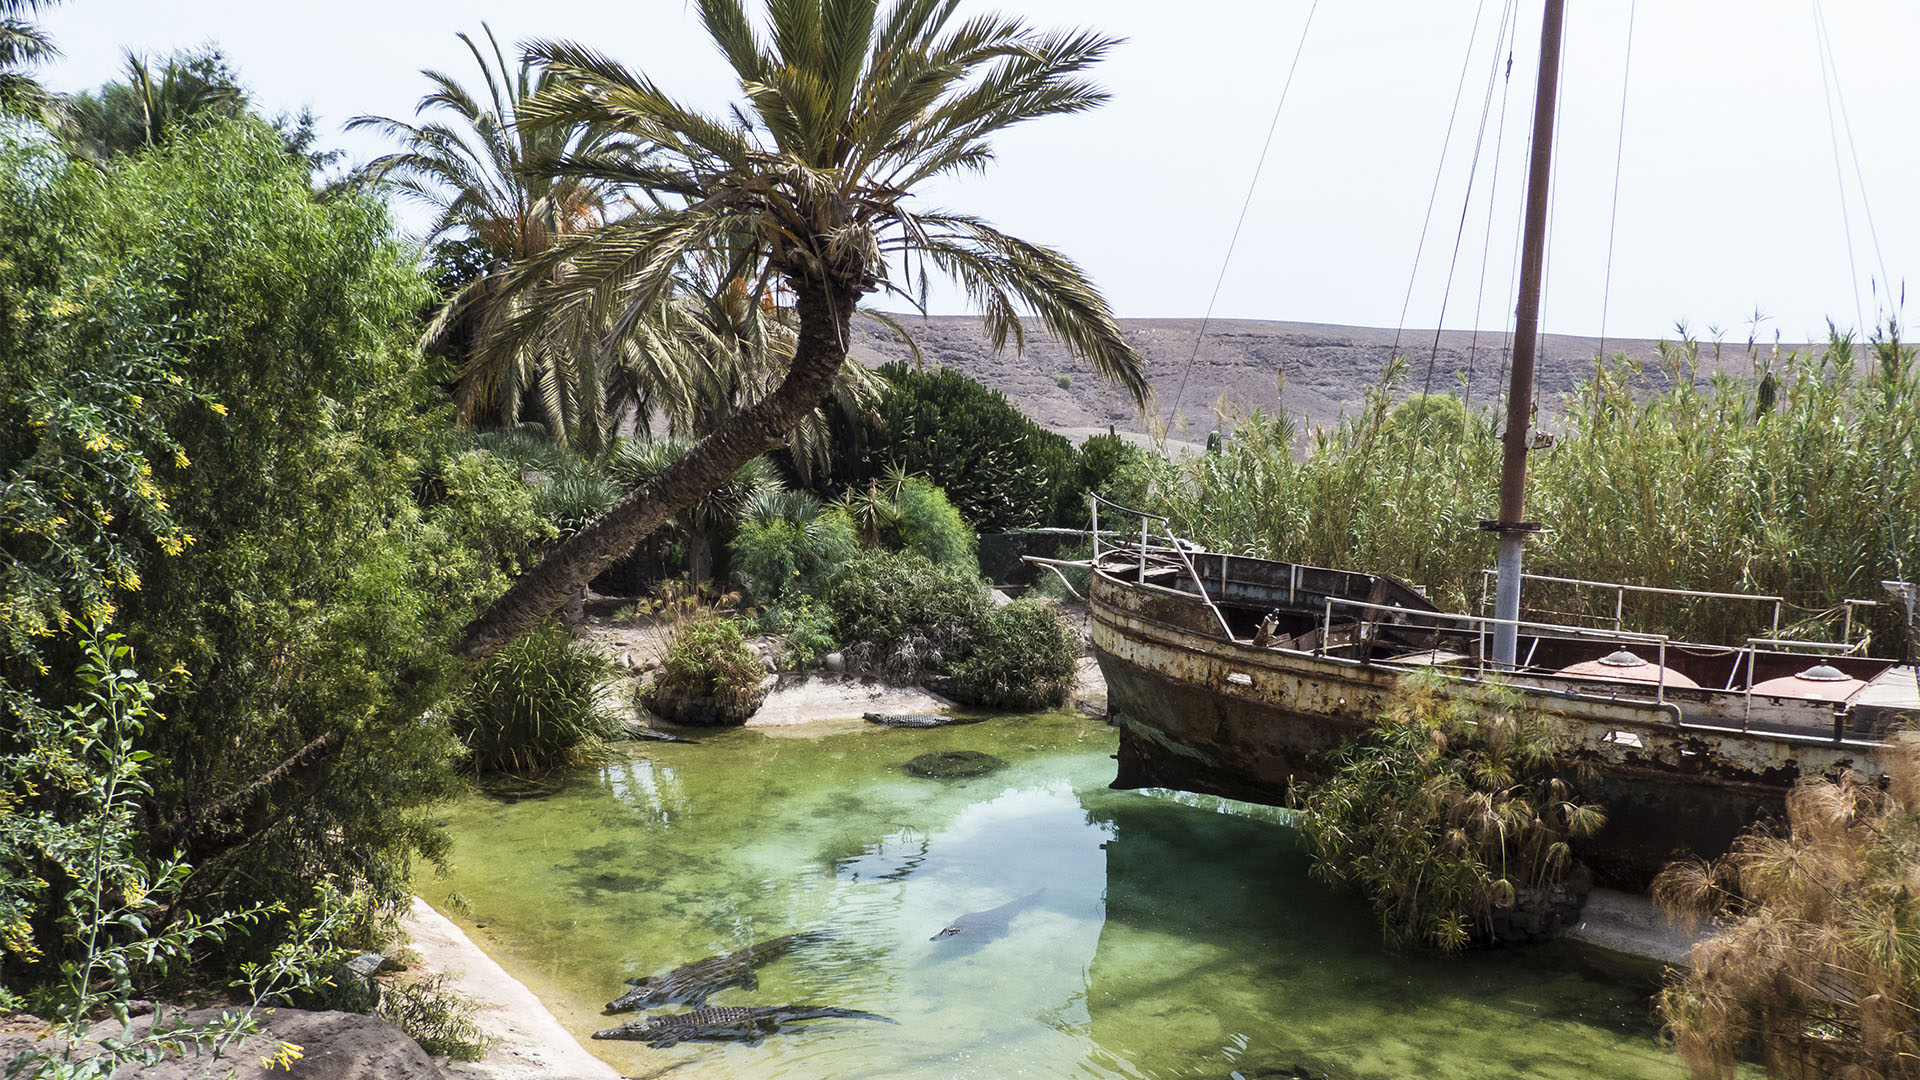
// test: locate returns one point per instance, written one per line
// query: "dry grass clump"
(1819, 966)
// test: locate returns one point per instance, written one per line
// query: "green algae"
(1178, 936)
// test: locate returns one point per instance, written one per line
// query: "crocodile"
(691, 984)
(983, 926)
(715, 1025)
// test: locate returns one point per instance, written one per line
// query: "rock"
(834, 661)
(919, 720)
(699, 709)
(999, 598)
(953, 764)
(334, 1046)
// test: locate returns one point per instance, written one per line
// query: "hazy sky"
(1729, 197)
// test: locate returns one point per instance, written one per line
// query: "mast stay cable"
(1201, 334)
(1613, 216)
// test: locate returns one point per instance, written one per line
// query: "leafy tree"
(336, 541)
(1002, 470)
(81, 391)
(469, 160)
(804, 185)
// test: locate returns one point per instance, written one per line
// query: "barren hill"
(1327, 369)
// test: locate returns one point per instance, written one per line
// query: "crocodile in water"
(692, 984)
(982, 926)
(713, 1025)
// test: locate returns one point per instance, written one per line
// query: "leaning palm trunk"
(807, 184)
(824, 323)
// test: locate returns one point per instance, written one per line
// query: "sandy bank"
(531, 1044)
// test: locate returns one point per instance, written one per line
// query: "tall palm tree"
(468, 159)
(806, 185)
(23, 45)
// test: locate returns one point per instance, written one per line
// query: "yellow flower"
(180, 460)
(283, 1057)
(219, 408)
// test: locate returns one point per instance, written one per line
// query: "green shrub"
(1447, 809)
(1023, 658)
(808, 626)
(927, 524)
(1002, 470)
(790, 543)
(903, 616)
(537, 704)
(711, 675)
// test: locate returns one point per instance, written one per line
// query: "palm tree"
(23, 45)
(153, 102)
(805, 186)
(468, 159)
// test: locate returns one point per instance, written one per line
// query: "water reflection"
(1138, 935)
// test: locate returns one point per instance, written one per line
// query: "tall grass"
(1801, 480)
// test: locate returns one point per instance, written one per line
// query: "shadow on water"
(1103, 934)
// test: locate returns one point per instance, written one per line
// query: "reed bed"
(1801, 479)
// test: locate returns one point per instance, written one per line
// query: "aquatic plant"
(1817, 964)
(537, 704)
(1452, 809)
(1022, 657)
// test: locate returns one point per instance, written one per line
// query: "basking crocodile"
(983, 926)
(691, 984)
(714, 1025)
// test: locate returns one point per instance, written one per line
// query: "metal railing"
(1482, 625)
(1174, 544)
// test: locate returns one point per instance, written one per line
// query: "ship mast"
(1511, 524)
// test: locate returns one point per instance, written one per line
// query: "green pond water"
(1173, 936)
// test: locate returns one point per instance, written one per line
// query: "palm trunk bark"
(825, 313)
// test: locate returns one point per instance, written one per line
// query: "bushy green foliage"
(81, 388)
(1451, 804)
(999, 468)
(86, 920)
(904, 616)
(305, 544)
(927, 524)
(808, 626)
(1797, 482)
(1103, 458)
(537, 704)
(1022, 658)
(1046, 582)
(710, 659)
(788, 542)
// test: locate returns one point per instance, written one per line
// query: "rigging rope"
(1613, 216)
(1829, 63)
(1493, 200)
(1201, 334)
(1466, 201)
(1438, 170)
(1839, 174)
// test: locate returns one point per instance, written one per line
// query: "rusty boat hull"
(1681, 769)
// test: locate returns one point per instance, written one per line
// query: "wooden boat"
(1232, 675)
